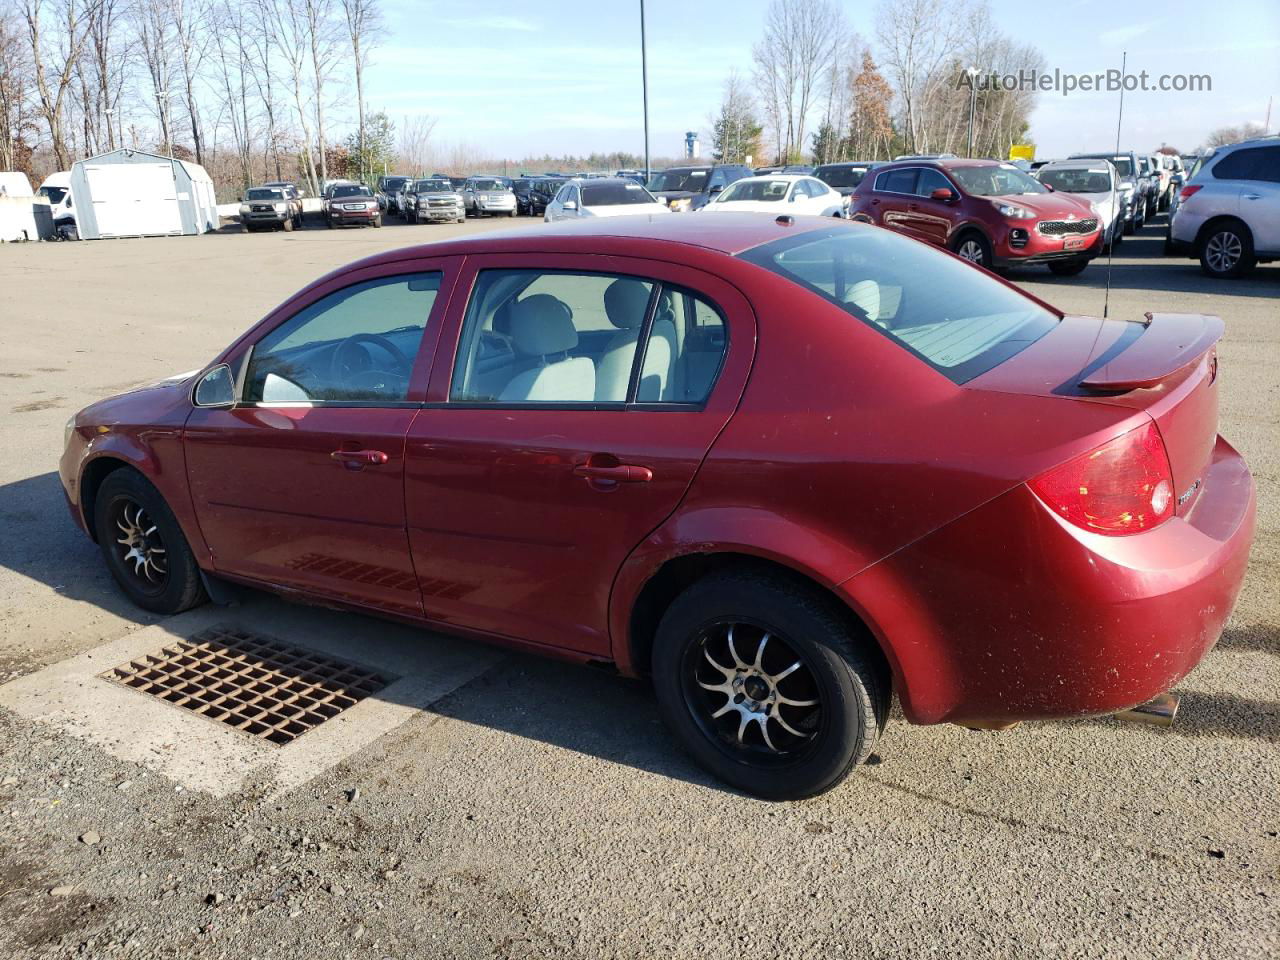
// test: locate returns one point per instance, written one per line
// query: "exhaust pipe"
(1159, 711)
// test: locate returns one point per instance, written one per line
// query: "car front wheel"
(974, 248)
(143, 545)
(767, 684)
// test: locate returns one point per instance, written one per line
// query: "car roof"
(778, 176)
(729, 233)
(1078, 162)
(599, 181)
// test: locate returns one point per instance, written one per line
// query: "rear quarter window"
(952, 316)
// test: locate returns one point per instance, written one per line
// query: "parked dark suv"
(844, 177)
(984, 211)
(693, 187)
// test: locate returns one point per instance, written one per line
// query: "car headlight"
(678, 206)
(281, 207)
(68, 430)
(1012, 210)
(244, 208)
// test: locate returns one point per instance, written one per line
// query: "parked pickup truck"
(270, 208)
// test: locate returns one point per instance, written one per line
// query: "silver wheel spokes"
(753, 693)
(1223, 251)
(141, 546)
(971, 250)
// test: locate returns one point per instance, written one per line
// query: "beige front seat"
(542, 330)
(625, 303)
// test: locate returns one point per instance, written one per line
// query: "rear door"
(1260, 195)
(530, 475)
(930, 219)
(894, 190)
(301, 483)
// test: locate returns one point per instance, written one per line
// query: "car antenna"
(1111, 247)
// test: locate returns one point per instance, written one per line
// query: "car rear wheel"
(143, 545)
(766, 684)
(1226, 250)
(973, 246)
(1068, 268)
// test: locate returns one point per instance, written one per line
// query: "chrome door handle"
(1252, 196)
(362, 458)
(621, 473)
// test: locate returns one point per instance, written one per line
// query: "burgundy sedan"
(983, 211)
(787, 468)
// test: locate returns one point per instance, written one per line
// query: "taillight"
(1187, 191)
(1124, 486)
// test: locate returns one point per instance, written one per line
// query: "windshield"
(55, 194)
(841, 176)
(614, 194)
(264, 193)
(691, 181)
(1078, 180)
(958, 320)
(488, 185)
(768, 191)
(351, 190)
(433, 186)
(392, 184)
(998, 181)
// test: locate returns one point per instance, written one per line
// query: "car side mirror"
(716, 189)
(570, 205)
(942, 193)
(216, 388)
(1048, 186)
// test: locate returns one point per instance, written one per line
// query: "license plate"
(1073, 243)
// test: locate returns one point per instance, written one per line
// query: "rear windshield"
(614, 194)
(677, 180)
(488, 185)
(951, 315)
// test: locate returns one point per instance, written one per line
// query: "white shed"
(127, 193)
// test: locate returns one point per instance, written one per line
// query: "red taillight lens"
(1187, 191)
(1124, 486)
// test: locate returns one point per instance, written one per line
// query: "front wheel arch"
(91, 478)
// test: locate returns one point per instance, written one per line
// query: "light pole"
(644, 82)
(973, 102)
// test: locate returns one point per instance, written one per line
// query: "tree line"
(818, 92)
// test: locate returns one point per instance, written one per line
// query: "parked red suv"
(984, 211)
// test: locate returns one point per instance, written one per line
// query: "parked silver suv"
(1228, 214)
(432, 200)
(489, 195)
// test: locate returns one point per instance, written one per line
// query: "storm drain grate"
(251, 682)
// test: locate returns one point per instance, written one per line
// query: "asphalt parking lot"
(514, 807)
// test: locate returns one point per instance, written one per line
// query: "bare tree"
(190, 28)
(363, 22)
(919, 40)
(287, 25)
(415, 149)
(735, 131)
(795, 54)
(16, 69)
(55, 59)
(321, 40)
(156, 42)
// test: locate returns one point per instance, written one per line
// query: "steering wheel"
(347, 369)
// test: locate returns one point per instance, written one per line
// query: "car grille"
(1061, 228)
(262, 208)
(353, 206)
(440, 202)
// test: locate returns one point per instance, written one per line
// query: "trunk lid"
(1165, 366)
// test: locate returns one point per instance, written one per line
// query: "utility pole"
(644, 81)
(973, 102)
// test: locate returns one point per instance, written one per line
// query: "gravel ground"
(540, 810)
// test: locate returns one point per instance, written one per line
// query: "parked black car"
(693, 187)
(389, 188)
(523, 189)
(844, 177)
(544, 191)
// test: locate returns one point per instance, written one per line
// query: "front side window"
(355, 345)
(956, 319)
(931, 180)
(559, 337)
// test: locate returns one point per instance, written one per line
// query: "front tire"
(143, 545)
(974, 248)
(768, 684)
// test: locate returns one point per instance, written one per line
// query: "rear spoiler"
(1170, 342)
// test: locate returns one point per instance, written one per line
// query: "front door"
(301, 483)
(585, 394)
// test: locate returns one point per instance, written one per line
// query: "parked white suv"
(1228, 214)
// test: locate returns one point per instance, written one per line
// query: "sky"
(516, 78)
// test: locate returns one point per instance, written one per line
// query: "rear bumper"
(1010, 613)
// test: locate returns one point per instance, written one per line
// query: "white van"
(14, 184)
(57, 190)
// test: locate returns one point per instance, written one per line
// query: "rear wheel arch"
(679, 573)
(1207, 228)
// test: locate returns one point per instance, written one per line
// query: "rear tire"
(836, 692)
(1226, 250)
(143, 545)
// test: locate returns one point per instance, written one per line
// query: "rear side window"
(896, 181)
(1252, 163)
(956, 319)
